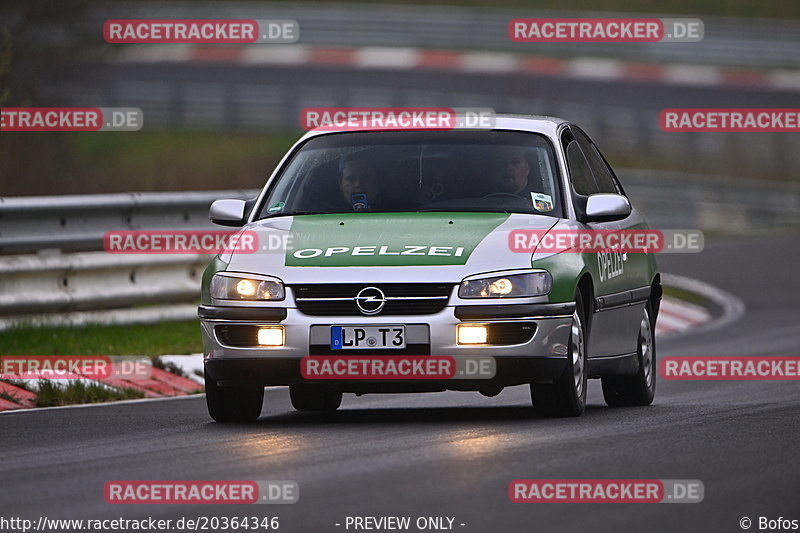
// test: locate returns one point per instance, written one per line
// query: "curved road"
(453, 454)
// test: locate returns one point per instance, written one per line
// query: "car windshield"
(414, 171)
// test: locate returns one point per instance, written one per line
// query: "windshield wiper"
(446, 209)
(293, 213)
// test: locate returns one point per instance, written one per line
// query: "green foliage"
(5, 64)
(140, 339)
(51, 394)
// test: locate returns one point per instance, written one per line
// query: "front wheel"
(233, 404)
(641, 388)
(566, 396)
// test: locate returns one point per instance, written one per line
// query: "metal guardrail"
(45, 284)
(95, 287)
(57, 283)
(54, 287)
(77, 222)
(713, 204)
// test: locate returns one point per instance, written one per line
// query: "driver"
(510, 170)
(358, 182)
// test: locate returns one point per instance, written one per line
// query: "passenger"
(510, 170)
(358, 182)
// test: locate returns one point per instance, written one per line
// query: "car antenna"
(421, 152)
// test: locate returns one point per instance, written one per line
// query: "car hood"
(380, 247)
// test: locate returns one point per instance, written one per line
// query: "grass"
(99, 162)
(145, 339)
(684, 295)
(94, 163)
(17, 383)
(51, 394)
(212, 160)
(170, 367)
(10, 397)
(141, 339)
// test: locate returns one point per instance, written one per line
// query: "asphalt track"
(454, 454)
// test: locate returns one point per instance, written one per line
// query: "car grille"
(402, 298)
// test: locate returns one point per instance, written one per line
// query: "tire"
(314, 398)
(621, 391)
(233, 404)
(566, 396)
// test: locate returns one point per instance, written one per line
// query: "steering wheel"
(504, 195)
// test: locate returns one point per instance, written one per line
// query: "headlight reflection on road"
(469, 443)
(264, 446)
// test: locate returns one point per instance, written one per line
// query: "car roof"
(533, 123)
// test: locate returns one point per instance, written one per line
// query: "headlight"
(511, 285)
(233, 287)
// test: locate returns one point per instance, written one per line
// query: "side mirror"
(607, 207)
(228, 212)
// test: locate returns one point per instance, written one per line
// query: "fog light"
(472, 334)
(270, 336)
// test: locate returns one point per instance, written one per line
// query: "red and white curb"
(191, 365)
(394, 58)
(677, 316)
(160, 384)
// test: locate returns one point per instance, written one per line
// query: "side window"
(604, 177)
(579, 170)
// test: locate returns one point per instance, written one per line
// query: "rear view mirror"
(607, 207)
(228, 212)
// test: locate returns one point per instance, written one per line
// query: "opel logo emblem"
(370, 300)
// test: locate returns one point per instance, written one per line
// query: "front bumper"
(542, 358)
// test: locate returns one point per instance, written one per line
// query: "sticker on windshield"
(542, 202)
(276, 208)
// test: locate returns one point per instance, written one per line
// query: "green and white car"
(398, 243)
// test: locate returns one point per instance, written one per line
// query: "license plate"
(368, 337)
